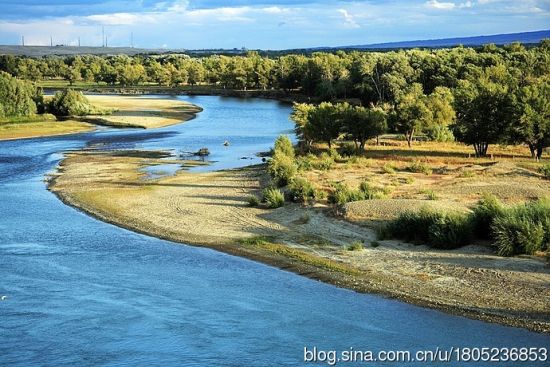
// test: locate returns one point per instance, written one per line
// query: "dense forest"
(479, 96)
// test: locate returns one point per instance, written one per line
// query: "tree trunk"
(362, 145)
(481, 149)
(329, 144)
(410, 136)
(533, 149)
(539, 152)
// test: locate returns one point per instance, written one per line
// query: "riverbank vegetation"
(434, 194)
(25, 112)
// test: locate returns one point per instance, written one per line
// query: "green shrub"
(273, 197)
(348, 150)
(305, 163)
(282, 169)
(484, 213)
(255, 241)
(389, 168)
(524, 229)
(545, 171)
(324, 162)
(430, 194)
(284, 146)
(450, 231)
(371, 192)
(70, 103)
(301, 190)
(374, 244)
(437, 229)
(253, 200)
(333, 153)
(420, 167)
(440, 133)
(343, 194)
(355, 246)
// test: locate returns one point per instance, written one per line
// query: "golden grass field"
(144, 112)
(10, 131)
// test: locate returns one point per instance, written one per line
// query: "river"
(80, 292)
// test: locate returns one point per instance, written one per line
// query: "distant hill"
(499, 39)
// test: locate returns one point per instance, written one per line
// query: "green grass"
(28, 119)
(342, 194)
(430, 194)
(266, 244)
(521, 229)
(253, 200)
(302, 191)
(273, 198)
(389, 168)
(419, 167)
(437, 229)
(355, 246)
(545, 171)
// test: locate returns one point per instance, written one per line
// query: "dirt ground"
(210, 209)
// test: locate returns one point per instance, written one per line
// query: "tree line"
(480, 96)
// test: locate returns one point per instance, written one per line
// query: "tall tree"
(484, 114)
(534, 116)
(362, 124)
(411, 114)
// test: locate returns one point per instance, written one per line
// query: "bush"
(450, 231)
(284, 146)
(389, 168)
(305, 163)
(282, 169)
(370, 192)
(348, 150)
(70, 103)
(301, 190)
(486, 210)
(524, 229)
(252, 200)
(440, 133)
(430, 194)
(324, 162)
(343, 194)
(440, 230)
(545, 171)
(420, 167)
(355, 246)
(273, 197)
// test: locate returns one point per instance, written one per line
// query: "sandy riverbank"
(141, 112)
(210, 209)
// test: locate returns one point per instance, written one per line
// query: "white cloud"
(434, 4)
(349, 20)
(121, 19)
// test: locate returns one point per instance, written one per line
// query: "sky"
(261, 24)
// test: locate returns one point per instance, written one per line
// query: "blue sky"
(266, 24)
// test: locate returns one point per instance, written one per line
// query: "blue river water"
(80, 292)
